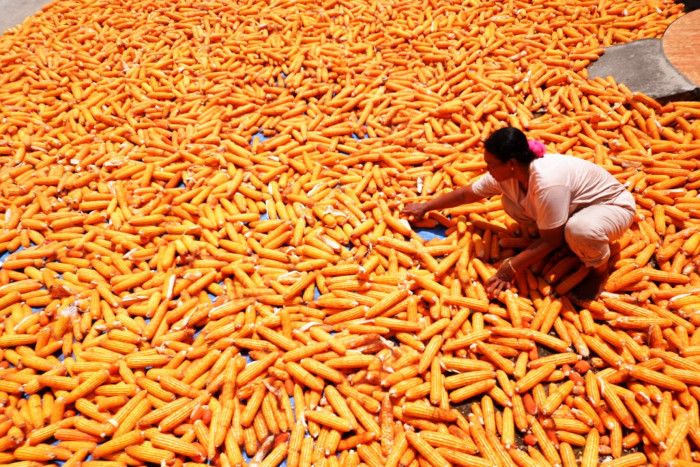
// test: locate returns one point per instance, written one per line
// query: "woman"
(567, 198)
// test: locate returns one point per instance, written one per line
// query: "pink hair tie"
(537, 147)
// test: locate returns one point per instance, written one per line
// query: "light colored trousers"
(590, 231)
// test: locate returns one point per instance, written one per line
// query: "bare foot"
(591, 286)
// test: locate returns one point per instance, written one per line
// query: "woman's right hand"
(415, 211)
(501, 281)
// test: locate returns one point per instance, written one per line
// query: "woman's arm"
(549, 240)
(463, 195)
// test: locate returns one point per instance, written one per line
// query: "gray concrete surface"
(642, 66)
(14, 12)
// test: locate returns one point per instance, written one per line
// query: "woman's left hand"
(500, 281)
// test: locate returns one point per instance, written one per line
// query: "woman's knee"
(586, 242)
(578, 229)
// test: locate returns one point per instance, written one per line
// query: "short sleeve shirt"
(558, 186)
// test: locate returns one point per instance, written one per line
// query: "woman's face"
(499, 170)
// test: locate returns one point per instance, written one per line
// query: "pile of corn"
(188, 186)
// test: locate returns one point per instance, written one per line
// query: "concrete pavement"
(643, 67)
(14, 12)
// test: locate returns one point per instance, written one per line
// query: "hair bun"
(537, 147)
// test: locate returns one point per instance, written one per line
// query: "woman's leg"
(589, 233)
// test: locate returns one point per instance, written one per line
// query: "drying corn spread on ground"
(204, 260)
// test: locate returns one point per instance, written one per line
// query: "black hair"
(509, 143)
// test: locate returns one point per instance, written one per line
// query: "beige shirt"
(558, 186)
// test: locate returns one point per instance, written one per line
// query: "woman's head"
(509, 143)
